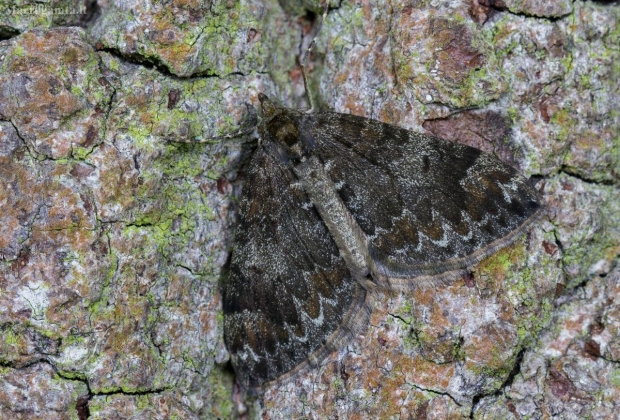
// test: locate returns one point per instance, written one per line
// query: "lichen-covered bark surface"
(113, 240)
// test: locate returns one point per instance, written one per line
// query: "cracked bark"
(113, 242)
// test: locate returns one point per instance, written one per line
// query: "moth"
(336, 207)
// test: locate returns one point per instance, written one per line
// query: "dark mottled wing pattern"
(427, 205)
(289, 295)
(400, 208)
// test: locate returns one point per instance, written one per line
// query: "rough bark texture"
(113, 240)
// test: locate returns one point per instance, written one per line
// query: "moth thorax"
(284, 130)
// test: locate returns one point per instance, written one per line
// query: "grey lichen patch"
(544, 9)
(150, 110)
(187, 39)
(539, 123)
(37, 392)
(565, 70)
(434, 56)
(17, 177)
(150, 405)
(54, 93)
(569, 369)
(460, 68)
(586, 218)
(22, 344)
(55, 257)
(515, 293)
(593, 127)
(222, 381)
(356, 33)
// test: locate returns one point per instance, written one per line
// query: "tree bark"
(114, 240)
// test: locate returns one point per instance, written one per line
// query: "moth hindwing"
(336, 206)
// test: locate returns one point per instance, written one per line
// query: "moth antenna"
(254, 122)
(304, 60)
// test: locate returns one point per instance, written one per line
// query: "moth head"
(281, 125)
(269, 108)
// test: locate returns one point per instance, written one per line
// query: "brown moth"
(336, 207)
